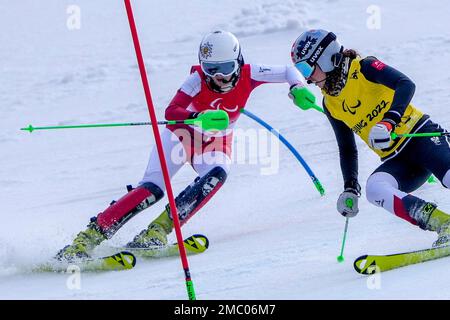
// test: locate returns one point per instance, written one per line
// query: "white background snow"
(272, 237)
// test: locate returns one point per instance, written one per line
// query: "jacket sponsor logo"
(377, 64)
(436, 140)
(217, 104)
(351, 109)
(380, 202)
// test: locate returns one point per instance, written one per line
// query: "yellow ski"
(196, 243)
(120, 261)
(370, 264)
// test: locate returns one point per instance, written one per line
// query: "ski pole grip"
(212, 120)
(304, 99)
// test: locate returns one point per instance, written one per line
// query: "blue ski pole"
(313, 177)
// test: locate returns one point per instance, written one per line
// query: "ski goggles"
(305, 68)
(220, 68)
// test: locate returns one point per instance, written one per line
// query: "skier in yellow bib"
(366, 97)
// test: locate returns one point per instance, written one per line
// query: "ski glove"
(303, 98)
(347, 203)
(380, 135)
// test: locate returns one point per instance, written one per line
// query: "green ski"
(120, 261)
(196, 243)
(370, 264)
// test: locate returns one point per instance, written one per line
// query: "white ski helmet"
(316, 47)
(220, 53)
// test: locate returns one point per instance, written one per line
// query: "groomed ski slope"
(272, 236)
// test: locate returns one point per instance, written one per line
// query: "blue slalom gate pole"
(311, 174)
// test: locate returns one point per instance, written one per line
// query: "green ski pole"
(312, 105)
(340, 258)
(212, 120)
(31, 128)
(419, 135)
(349, 203)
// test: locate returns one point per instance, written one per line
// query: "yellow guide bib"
(362, 103)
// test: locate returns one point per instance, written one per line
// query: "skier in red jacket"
(222, 81)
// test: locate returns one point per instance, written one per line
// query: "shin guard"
(119, 212)
(197, 194)
(417, 211)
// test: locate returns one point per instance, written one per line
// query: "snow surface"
(272, 236)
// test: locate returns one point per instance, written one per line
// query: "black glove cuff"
(295, 84)
(353, 187)
(392, 117)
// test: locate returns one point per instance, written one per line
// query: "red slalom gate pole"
(162, 159)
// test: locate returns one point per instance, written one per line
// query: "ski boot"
(155, 234)
(438, 221)
(83, 244)
(429, 217)
(443, 235)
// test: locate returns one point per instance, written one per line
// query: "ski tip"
(125, 258)
(202, 238)
(362, 265)
(359, 264)
(196, 243)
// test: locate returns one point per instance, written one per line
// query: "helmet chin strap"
(226, 81)
(230, 84)
(215, 87)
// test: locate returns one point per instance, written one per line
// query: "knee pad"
(154, 189)
(382, 189)
(376, 187)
